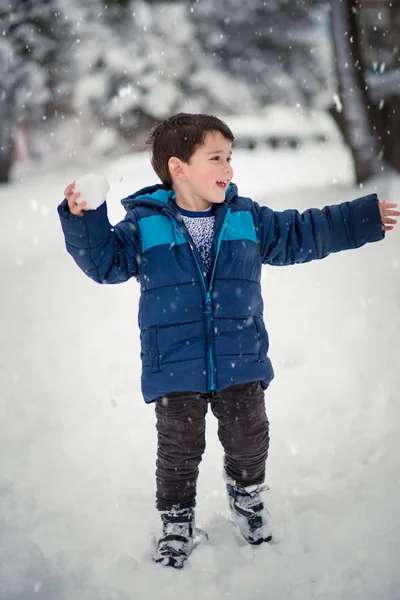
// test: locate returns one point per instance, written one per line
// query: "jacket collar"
(159, 196)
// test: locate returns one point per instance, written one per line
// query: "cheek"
(210, 175)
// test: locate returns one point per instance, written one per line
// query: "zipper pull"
(208, 303)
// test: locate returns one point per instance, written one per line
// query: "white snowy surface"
(77, 442)
(285, 121)
(93, 189)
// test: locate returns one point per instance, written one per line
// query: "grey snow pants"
(243, 430)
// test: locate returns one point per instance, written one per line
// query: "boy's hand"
(74, 207)
(387, 212)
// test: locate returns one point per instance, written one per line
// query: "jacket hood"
(159, 196)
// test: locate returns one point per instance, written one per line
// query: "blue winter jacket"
(206, 333)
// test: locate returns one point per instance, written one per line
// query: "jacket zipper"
(207, 295)
(209, 300)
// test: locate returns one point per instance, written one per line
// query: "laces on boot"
(248, 512)
(176, 542)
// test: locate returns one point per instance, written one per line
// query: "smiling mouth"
(222, 184)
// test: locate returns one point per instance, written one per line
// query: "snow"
(383, 85)
(77, 443)
(290, 121)
(93, 189)
(232, 94)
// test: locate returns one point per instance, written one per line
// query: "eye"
(217, 158)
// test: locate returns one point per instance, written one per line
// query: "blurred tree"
(131, 70)
(271, 46)
(117, 9)
(356, 116)
(122, 3)
(378, 22)
(31, 67)
(164, 57)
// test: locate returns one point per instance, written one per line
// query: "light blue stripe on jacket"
(158, 230)
(240, 227)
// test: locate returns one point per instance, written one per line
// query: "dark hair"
(179, 136)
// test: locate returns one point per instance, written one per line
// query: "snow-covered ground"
(77, 442)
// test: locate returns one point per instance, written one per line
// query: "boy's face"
(209, 172)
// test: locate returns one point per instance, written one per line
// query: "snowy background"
(77, 443)
(110, 69)
(81, 83)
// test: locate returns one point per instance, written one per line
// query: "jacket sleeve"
(105, 253)
(291, 237)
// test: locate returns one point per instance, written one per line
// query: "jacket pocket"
(262, 339)
(240, 337)
(150, 354)
(181, 342)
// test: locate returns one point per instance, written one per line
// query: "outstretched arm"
(291, 237)
(105, 253)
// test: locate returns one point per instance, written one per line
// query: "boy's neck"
(188, 202)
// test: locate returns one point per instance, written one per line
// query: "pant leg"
(181, 443)
(243, 430)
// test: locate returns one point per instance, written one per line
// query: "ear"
(177, 168)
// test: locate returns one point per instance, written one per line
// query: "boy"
(197, 248)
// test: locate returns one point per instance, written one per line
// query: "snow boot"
(176, 542)
(248, 512)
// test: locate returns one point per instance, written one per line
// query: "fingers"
(388, 224)
(69, 190)
(78, 208)
(73, 201)
(73, 198)
(75, 207)
(387, 210)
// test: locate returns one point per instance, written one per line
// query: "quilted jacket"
(199, 332)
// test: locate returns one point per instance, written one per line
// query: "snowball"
(93, 189)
